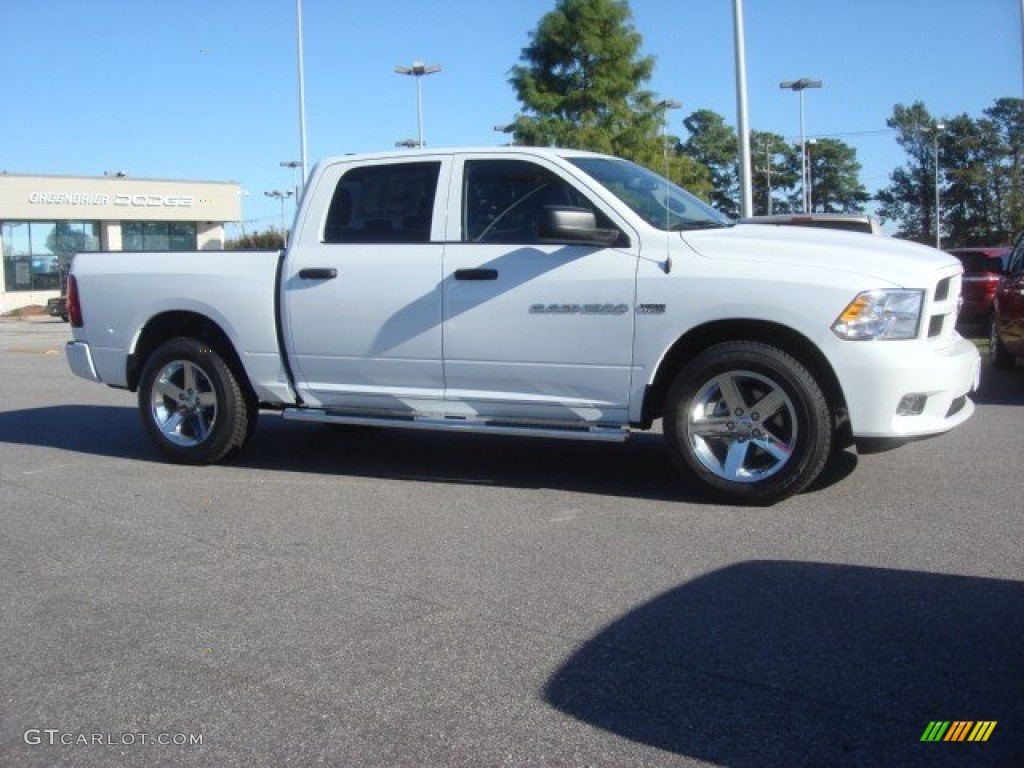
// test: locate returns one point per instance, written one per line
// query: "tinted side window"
(1016, 265)
(383, 204)
(503, 199)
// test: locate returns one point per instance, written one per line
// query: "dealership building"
(45, 220)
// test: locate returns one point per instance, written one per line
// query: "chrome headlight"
(881, 314)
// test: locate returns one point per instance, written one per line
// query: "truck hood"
(899, 262)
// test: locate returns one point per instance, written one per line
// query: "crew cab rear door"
(361, 298)
(533, 328)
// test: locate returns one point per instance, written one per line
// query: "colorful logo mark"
(958, 730)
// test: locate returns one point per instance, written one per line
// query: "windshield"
(656, 200)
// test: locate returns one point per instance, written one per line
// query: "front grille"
(943, 307)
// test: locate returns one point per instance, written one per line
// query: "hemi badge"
(650, 309)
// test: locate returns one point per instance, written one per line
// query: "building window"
(158, 236)
(37, 253)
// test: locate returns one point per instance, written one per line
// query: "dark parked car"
(59, 307)
(983, 269)
(1007, 331)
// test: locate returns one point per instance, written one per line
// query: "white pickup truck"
(537, 292)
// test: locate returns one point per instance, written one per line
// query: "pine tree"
(581, 83)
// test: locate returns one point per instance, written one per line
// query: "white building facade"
(45, 220)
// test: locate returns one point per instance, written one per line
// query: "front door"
(531, 328)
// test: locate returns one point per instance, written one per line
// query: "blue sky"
(207, 89)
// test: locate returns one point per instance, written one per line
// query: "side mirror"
(574, 225)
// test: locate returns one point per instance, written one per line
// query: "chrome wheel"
(183, 403)
(742, 427)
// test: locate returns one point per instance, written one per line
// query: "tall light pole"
(810, 175)
(302, 93)
(282, 196)
(935, 130)
(800, 86)
(419, 70)
(665, 105)
(768, 171)
(743, 125)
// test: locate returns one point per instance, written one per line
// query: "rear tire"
(748, 422)
(191, 404)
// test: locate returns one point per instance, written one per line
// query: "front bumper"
(80, 360)
(877, 376)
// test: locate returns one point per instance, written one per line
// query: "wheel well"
(169, 325)
(781, 336)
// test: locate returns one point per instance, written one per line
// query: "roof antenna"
(666, 105)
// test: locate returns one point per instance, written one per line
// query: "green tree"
(713, 143)
(268, 240)
(835, 178)
(776, 170)
(971, 155)
(981, 179)
(1007, 118)
(581, 83)
(909, 200)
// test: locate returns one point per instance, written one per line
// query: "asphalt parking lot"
(378, 597)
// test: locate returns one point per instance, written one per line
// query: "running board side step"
(473, 426)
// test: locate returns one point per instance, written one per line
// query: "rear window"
(383, 204)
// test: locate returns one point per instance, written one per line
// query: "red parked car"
(1007, 334)
(983, 269)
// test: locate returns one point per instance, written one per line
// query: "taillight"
(74, 307)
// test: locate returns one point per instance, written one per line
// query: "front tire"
(748, 422)
(191, 404)
(999, 355)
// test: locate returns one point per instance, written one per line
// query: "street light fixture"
(935, 131)
(295, 165)
(408, 143)
(419, 70)
(509, 128)
(800, 86)
(282, 196)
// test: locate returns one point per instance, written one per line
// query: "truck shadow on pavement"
(639, 469)
(771, 663)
